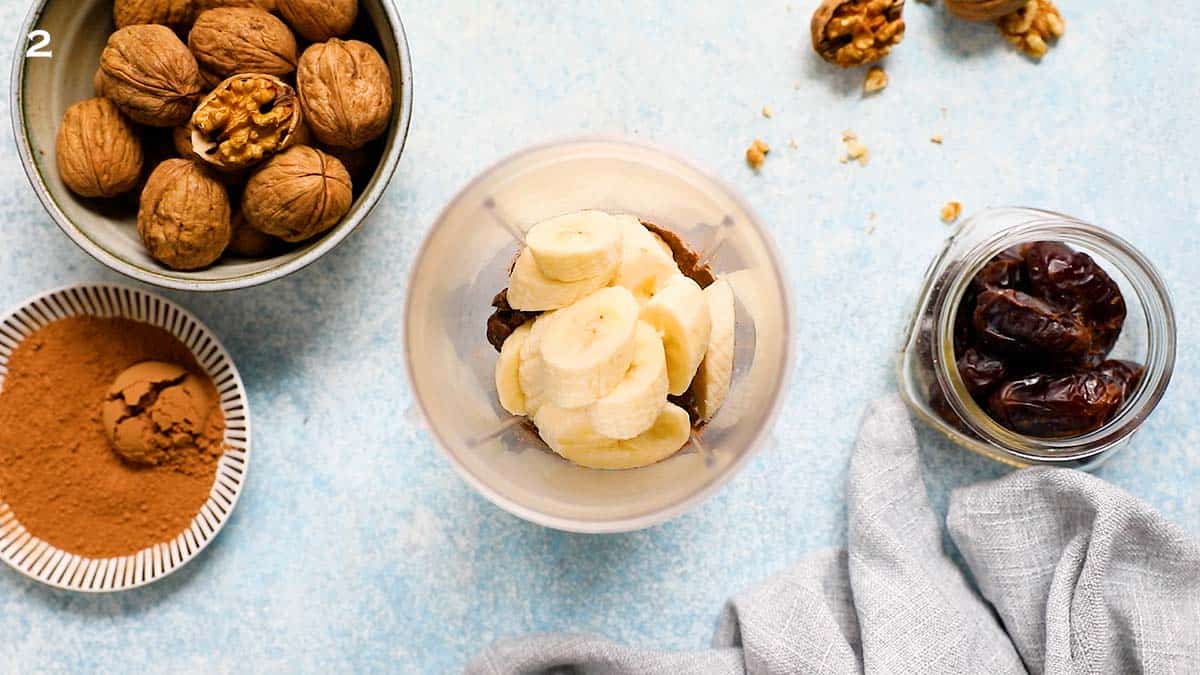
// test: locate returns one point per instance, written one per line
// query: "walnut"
(983, 10)
(951, 211)
(99, 153)
(150, 74)
(231, 40)
(756, 154)
(319, 20)
(1030, 27)
(204, 5)
(298, 194)
(857, 32)
(346, 92)
(175, 13)
(183, 216)
(245, 120)
(877, 80)
(249, 242)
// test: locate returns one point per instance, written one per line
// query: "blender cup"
(464, 263)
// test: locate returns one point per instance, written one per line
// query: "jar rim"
(1149, 289)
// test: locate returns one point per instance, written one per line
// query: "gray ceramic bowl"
(43, 88)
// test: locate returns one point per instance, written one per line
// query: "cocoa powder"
(58, 473)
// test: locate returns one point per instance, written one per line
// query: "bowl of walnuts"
(211, 144)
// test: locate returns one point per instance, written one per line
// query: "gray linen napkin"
(1084, 579)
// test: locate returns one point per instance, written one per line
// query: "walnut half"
(856, 32)
(245, 120)
(1032, 27)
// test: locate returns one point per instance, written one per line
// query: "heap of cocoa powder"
(58, 472)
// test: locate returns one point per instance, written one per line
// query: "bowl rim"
(168, 279)
(646, 519)
(56, 568)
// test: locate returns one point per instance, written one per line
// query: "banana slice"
(508, 371)
(679, 311)
(569, 433)
(576, 246)
(633, 406)
(532, 291)
(646, 260)
(588, 347)
(716, 370)
(530, 373)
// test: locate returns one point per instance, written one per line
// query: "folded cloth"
(1083, 577)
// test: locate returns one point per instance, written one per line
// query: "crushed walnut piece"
(937, 138)
(857, 32)
(1033, 27)
(767, 112)
(951, 211)
(855, 150)
(877, 79)
(757, 153)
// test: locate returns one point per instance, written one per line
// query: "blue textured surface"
(355, 544)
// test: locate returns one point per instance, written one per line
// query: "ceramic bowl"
(38, 559)
(73, 33)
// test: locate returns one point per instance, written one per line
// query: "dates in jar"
(1034, 334)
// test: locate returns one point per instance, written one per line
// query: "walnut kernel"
(245, 120)
(756, 154)
(857, 32)
(150, 74)
(877, 80)
(231, 40)
(183, 215)
(951, 211)
(98, 150)
(346, 92)
(1031, 27)
(297, 194)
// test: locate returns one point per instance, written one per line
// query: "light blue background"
(356, 546)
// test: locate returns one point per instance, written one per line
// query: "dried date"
(981, 372)
(505, 320)
(1050, 405)
(1020, 324)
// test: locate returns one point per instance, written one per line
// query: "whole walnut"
(319, 20)
(184, 216)
(346, 92)
(176, 13)
(99, 153)
(231, 40)
(150, 74)
(298, 194)
(202, 5)
(248, 242)
(983, 10)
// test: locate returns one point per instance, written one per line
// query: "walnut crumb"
(767, 112)
(1032, 27)
(792, 144)
(951, 211)
(756, 153)
(854, 149)
(877, 79)
(936, 139)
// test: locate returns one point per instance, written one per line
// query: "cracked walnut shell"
(857, 32)
(297, 194)
(231, 40)
(150, 74)
(184, 216)
(1032, 27)
(983, 10)
(346, 92)
(98, 150)
(245, 120)
(319, 20)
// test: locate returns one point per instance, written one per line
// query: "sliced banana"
(569, 433)
(532, 291)
(634, 404)
(508, 371)
(646, 261)
(716, 370)
(588, 347)
(679, 311)
(531, 373)
(576, 246)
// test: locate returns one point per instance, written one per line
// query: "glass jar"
(928, 374)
